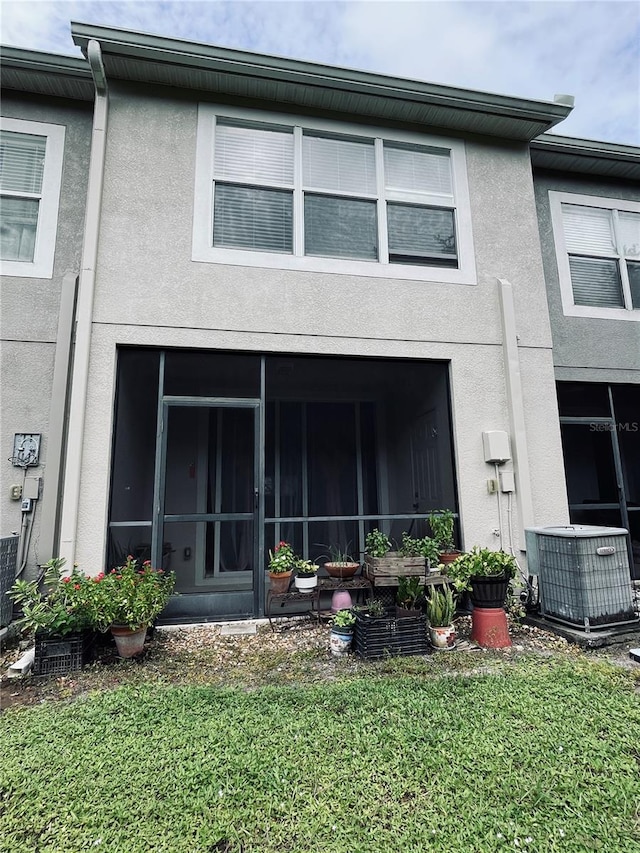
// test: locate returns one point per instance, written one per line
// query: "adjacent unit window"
(598, 242)
(31, 156)
(326, 197)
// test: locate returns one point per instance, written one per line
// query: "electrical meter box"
(495, 443)
(583, 574)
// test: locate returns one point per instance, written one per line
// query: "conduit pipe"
(84, 311)
(515, 405)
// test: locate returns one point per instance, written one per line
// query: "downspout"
(515, 404)
(84, 314)
(52, 490)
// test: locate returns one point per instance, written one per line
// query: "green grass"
(544, 757)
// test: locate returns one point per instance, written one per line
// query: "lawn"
(541, 756)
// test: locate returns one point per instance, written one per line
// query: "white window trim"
(45, 243)
(569, 308)
(204, 251)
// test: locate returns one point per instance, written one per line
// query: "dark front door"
(208, 505)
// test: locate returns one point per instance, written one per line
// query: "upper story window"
(598, 245)
(30, 175)
(322, 196)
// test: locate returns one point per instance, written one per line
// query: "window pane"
(421, 235)
(18, 224)
(629, 224)
(251, 218)
(634, 283)
(253, 155)
(340, 227)
(417, 169)
(588, 230)
(21, 161)
(339, 164)
(596, 281)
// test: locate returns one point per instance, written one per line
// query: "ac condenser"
(583, 574)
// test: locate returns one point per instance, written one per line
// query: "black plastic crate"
(388, 636)
(59, 655)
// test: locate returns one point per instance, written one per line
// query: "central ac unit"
(583, 574)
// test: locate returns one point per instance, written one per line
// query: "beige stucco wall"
(149, 292)
(29, 312)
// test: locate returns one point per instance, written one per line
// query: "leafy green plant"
(410, 592)
(481, 562)
(63, 606)
(305, 567)
(374, 608)
(441, 607)
(425, 547)
(282, 559)
(441, 522)
(131, 596)
(377, 544)
(344, 619)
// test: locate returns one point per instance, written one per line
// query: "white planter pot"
(306, 584)
(443, 638)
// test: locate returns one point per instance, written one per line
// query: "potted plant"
(409, 597)
(342, 627)
(441, 522)
(306, 577)
(128, 599)
(58, 609)
(341, 564)
(282, 562)
(440, 612)
(381, 562)
(485, 574)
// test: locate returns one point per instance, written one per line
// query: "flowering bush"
(130, 596)
(282, 559)
(61, 606)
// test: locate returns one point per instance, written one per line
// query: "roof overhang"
(145, 58)
(46, 74)
(566, 154)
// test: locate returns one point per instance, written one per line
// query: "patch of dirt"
(297, 653)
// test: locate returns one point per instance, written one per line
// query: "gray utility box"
(583, 574)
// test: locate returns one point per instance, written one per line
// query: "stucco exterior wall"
(150, 292)
(30, 312)
(585, 349)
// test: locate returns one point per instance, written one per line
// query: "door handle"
(256, 498)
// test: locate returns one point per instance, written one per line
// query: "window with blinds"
(298, 191)
(30, 177)
(603, 248)
(21, 171)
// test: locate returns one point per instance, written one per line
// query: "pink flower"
(66, 580)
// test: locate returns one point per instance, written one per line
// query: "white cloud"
(588, 48)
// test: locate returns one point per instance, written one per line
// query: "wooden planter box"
(389, 636)
(385, 571)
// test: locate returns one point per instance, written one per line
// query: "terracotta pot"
(449, 556)
(279, 582)
(341, 570)
(129, 642)
(442, 637)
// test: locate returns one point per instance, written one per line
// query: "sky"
(586, 48)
